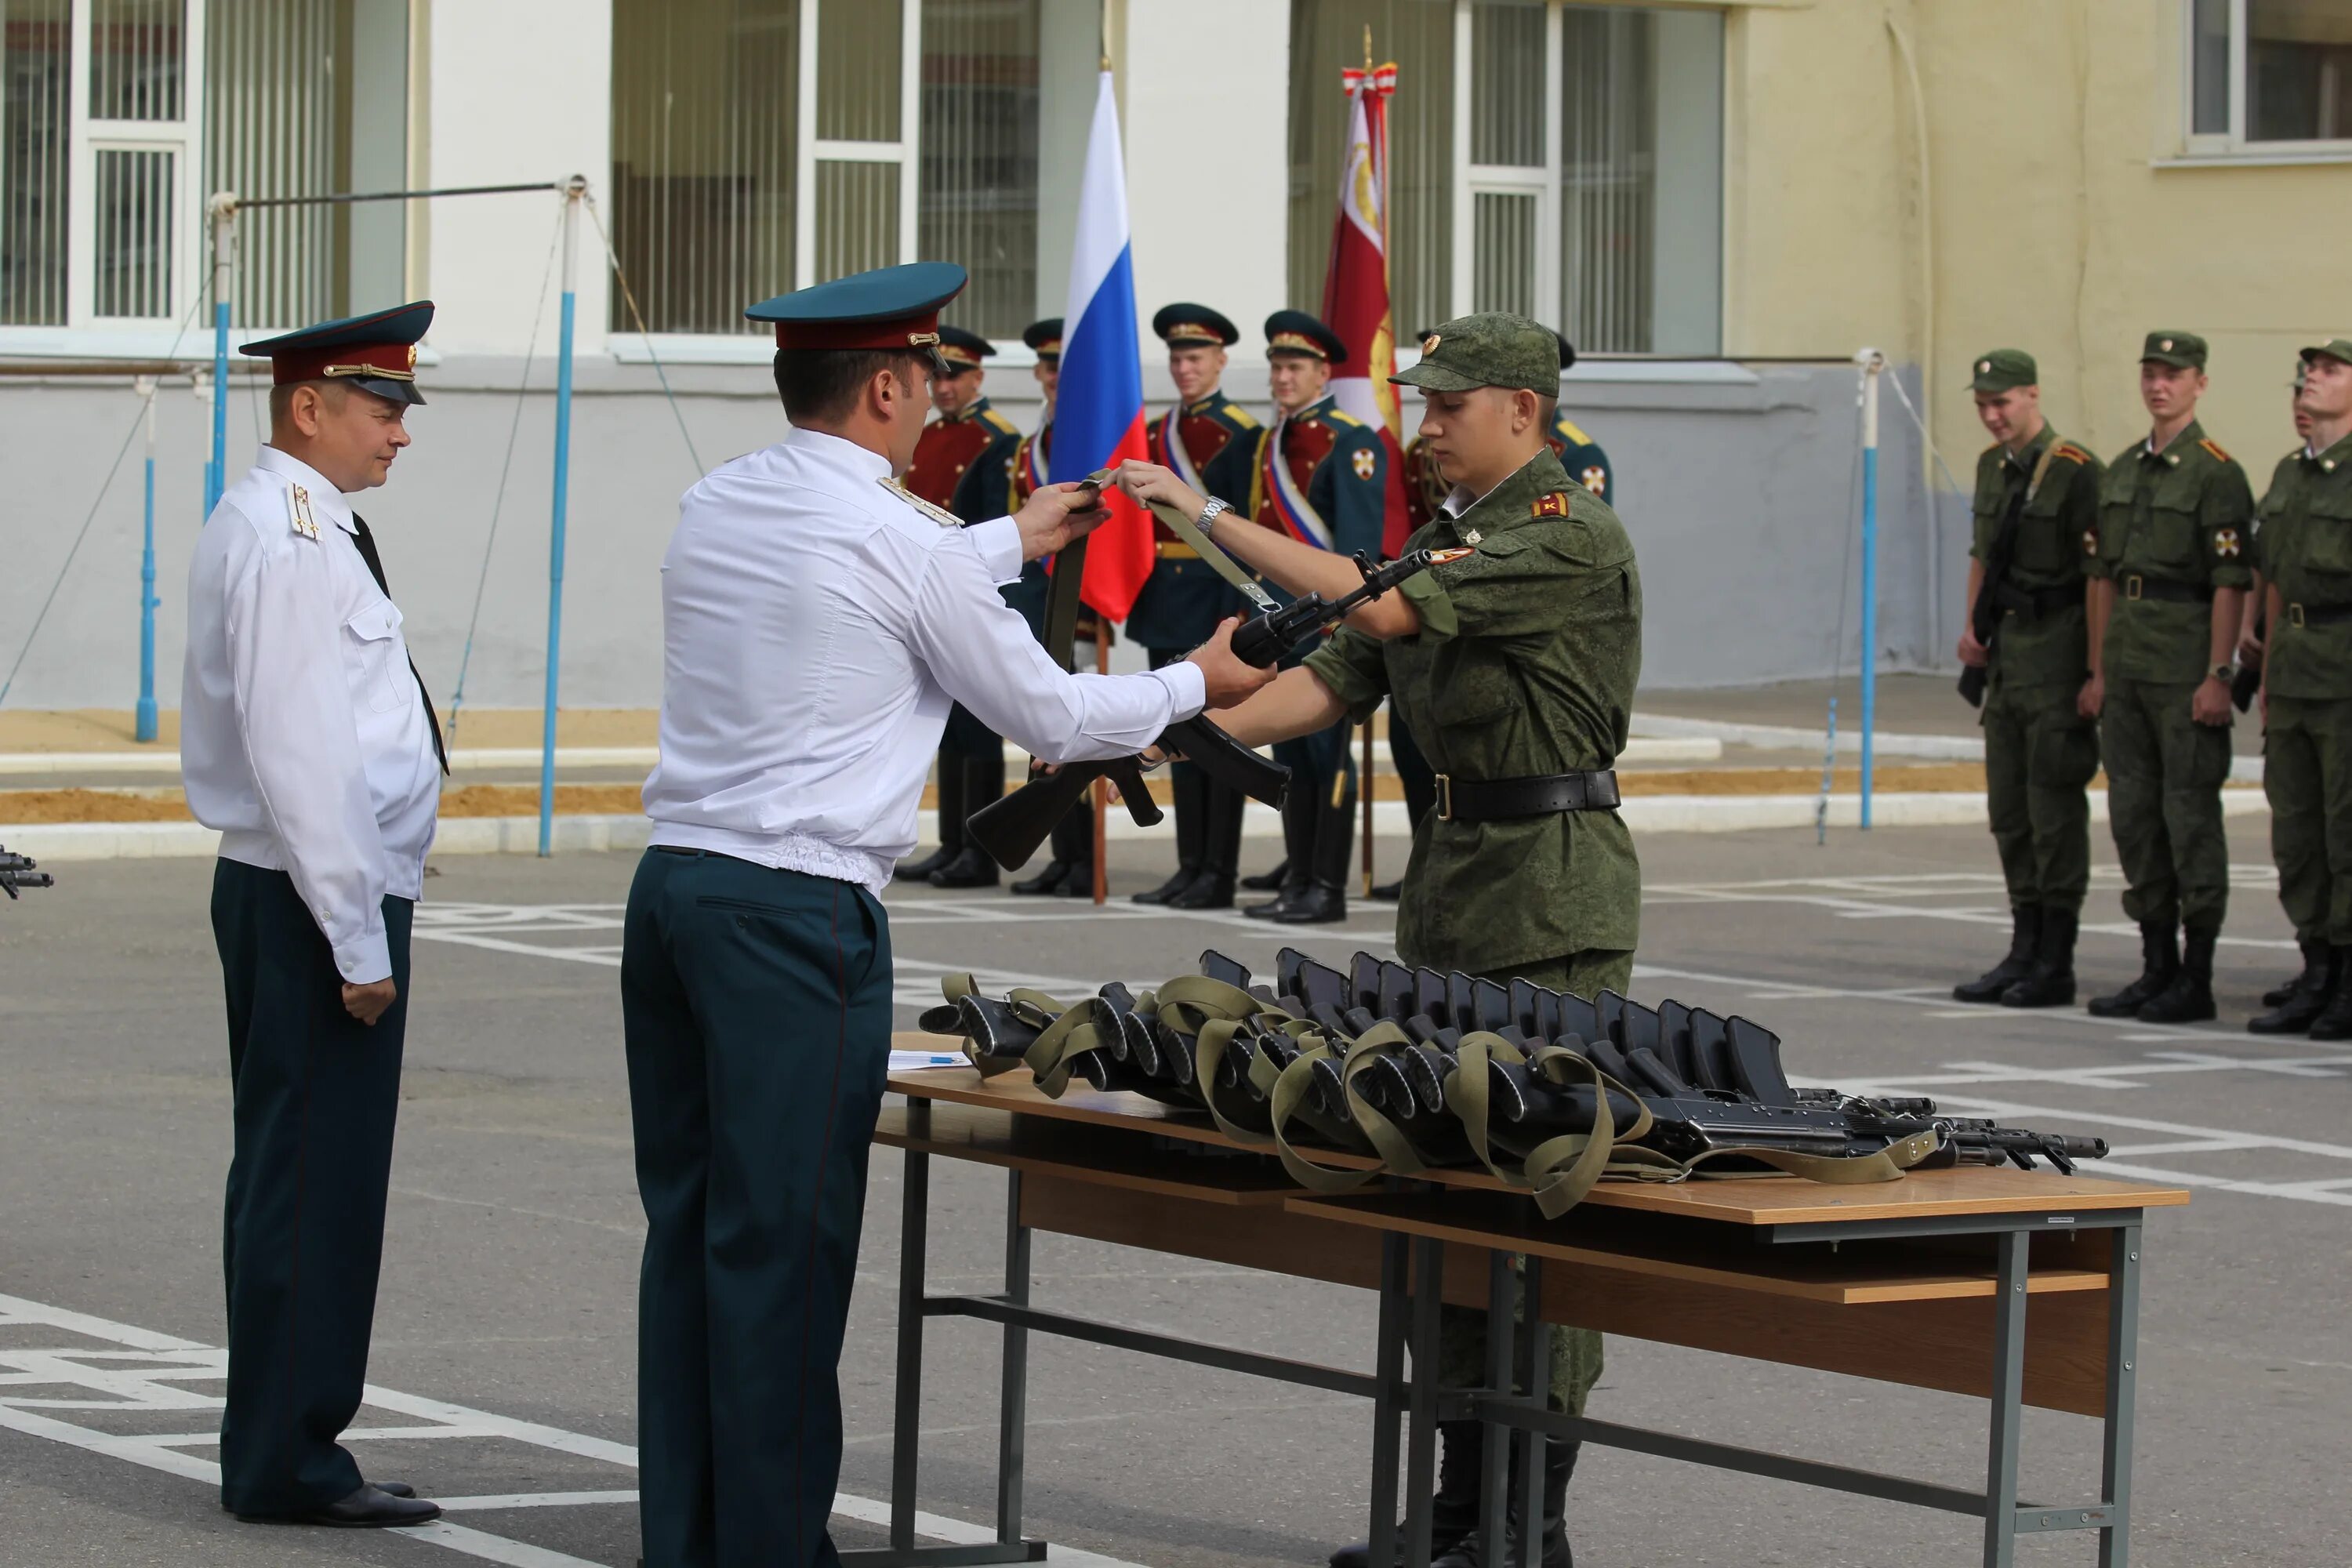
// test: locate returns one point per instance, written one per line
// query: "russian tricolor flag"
(1099, 413)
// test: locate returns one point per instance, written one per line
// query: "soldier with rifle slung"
(2029, 660)
(1515, 664)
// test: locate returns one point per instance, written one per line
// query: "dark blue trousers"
(316, 1092)
(757, 1009)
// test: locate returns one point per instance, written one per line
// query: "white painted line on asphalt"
(532, 1499)
(139, 1390)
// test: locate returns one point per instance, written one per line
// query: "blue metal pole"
(577, 188)
(145, 716)
(1869, 572)
(217, 471)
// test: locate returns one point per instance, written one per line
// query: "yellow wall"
(2052, 230)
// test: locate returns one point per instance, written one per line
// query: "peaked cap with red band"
(888, 307)
(375, 353)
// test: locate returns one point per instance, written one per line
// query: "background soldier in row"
(1321, 479)
(1207, 440)
(2027, 629)
(959, 464)
(2306, 557)
(2176, 520)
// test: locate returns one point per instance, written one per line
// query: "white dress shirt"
(304, 737)
(817, 625)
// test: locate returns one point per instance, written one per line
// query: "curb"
(63, 842)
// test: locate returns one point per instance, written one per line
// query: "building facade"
(1720, 203)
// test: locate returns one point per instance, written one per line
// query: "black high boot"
(1074, 844)
(1221, 850)
(2189, 999)
(950, 815)
(1559, 1463)
(2334, 1020)
(2160, 960)
(1268, 881)
(1324, 901)
(983, 782)
(2297, 1004)
(2024, 936)
(2317, 974)
(2050, 981)
(1298, 857)
(1453, 1508)
(1191, 788)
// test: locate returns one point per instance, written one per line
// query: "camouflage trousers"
(1462, 1331)
(2307, 775)
(2164, 773)
(2039, 756)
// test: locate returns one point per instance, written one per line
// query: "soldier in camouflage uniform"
(1516, 665)
(2176, 520)
(2037, 503)
(2307, 545)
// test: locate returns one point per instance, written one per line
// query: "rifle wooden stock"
(1010, 830)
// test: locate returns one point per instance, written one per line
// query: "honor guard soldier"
(2176, 520)
(1069, 869)
(2306, 556)
(1517, 655)
(1425, 490)
(307, 739)
(960, 464)
(1320, 477)
(2025, 638)
(818, 620)
(1207, 440)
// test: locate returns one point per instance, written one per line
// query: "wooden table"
(1923, 1282)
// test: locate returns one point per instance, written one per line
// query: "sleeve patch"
(1552, 505)
(1364, 461)
(2225, 542)
(2090, 541)
(1596, 479)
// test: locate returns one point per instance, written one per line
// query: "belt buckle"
(1444, 798)
(2294, 615)
(2132, 586)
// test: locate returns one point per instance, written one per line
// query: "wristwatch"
(1209, 514)
(2224, 673)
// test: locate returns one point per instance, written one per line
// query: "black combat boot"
(2189, 999)
(2024, 935)
(1453, 1508)
(970, 870)
(1559, 1463)
(2317, 974)
(950, 815)
(2297, 1004)
(1221, 850)
(1191, 790)
(2334, 1020)
(1323, 900)
(2050, 981)
(2160, 960)
(1268, 881)
(1211, 889)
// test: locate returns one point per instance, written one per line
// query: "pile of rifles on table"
(1412, 1068)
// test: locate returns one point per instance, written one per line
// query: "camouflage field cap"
(1492, 348)
(2004, 370)
(2183, 351)
(2333, 348)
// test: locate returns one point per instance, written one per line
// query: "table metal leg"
(1012, 1409)
(2008, 1414)
(907, 1419)
(1535, 1379)
(1494, 1470)
(1420, 1424)
(1388, 1374)
(2123, 1382)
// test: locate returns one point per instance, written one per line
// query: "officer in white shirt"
(307, 738)
(818, 622)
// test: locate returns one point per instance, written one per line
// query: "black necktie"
(375, 570)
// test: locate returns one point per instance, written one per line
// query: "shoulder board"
(999, 423)
(1239, 415)
(1342, 417)
(2215, 448)
(1568, 427)
(1556, 504)
(1989, 451)
(2071, 452)
(297, 512)
(938, 514)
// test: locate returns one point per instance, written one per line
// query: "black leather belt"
(1547, 794)
(2136, 586)
(2037, 602)
(2319, 614)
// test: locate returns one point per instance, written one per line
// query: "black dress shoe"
(1389, 892)
(369, 1507)
(1267, 911)
(394, 1488)
(920, 870)
(1048, 880)
(1210, 891)
(1166, 892)
(1080, 883)
(1317, 904)
(970, 870)
(1268, 881)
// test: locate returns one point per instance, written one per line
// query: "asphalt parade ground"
(504, 1357)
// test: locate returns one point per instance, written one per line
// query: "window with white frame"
(119, 118)
(1574, 173)
(2270, 76)
(764, 145)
